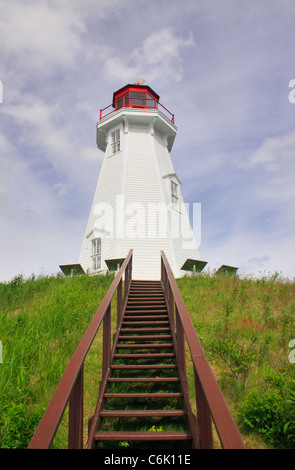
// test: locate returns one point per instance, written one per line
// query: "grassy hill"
(244, 325)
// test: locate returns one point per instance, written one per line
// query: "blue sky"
(222, 66)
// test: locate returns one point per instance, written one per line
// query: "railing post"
(119, 303)
(204, 418)
(126, 283)
(171, 307)
(106, 341)
(75, 437)
(180, 344)
(164, 278)
(127, 278)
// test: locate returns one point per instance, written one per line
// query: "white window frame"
(115, 136)
(96, 254)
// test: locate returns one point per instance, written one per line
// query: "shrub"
(17, 424)
(237, 358)
(272, 415)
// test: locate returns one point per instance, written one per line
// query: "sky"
(223, 67)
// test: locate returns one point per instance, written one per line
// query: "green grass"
(41, 323)
(244, 325)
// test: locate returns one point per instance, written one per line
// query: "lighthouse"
(137, 202)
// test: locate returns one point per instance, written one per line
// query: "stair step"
(146, 306)
(146, 290)
(143, 337)
(144, 346)
(152, 300)
(143, 295)
(144, 379)
(142, 315)
(145, 301)
(144, 312)
(143, 436)
(143, 395)
(143, 366)
(146, 323)
(138, 285)
(142, 299)
(143, 330)
(152, 303)
(141, 413)
(145, 317)
(141, 356)
(136, 303)
(145, 282)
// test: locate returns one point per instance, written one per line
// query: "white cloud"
(41, 125)
(62, 188)
(255, 264)
(159, 56)
(253, 255)
(34, 232)
(91, 154)
(9, 169)
(40, 35)
(274, 154)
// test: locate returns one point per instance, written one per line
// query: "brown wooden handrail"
(209, 399)
(70, 387)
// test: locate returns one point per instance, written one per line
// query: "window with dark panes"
(122, 101)
(174, 191)
(116, 141)
(137, 98)
(96, 254)
(151, 101)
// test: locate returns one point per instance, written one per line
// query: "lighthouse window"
(116, 141)
(96, 254)
(151, 101)
(123, 100)
(174, 191)
(137, 98)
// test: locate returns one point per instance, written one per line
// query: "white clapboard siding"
(107, 188)
(142, 186)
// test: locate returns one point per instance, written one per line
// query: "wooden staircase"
(142, 399)
(144, 392)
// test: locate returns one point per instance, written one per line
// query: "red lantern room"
(135, 96)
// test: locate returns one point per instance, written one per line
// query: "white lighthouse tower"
(137, 202)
